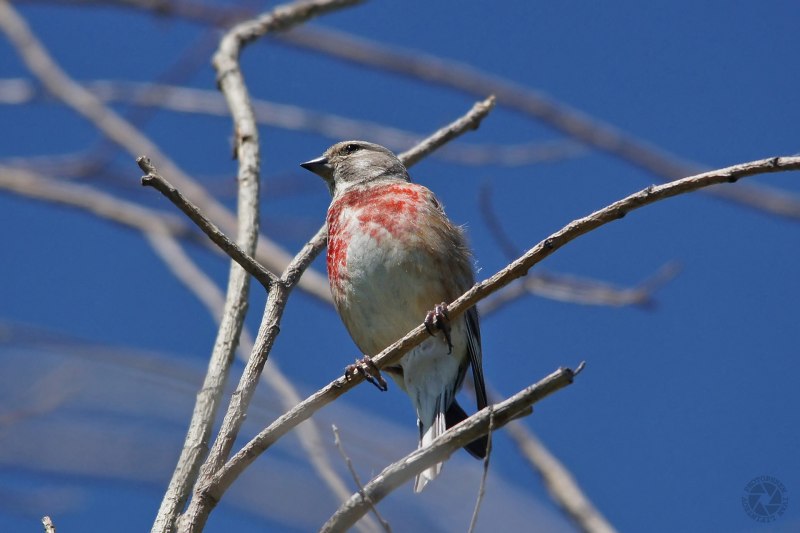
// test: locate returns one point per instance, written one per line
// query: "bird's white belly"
(386, 287)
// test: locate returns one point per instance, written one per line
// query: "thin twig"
(253, 267)
(231, 83)
(200, 12)
(219, 483)
(187, 272)
(563, 488)
(470, 121)
(583, 291)
(197, 513)
(443, 446)
(557, 115)
(135, 143)
(123, 133)
(482, 489)
(17, 91)
(162, 230)
(206, 290)
(562, 287)
(32, 184)
(338, 442)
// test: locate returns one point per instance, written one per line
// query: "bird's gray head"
(351, 163)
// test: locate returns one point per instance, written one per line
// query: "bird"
(393, 259)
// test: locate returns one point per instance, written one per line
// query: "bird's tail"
(455, 415)
(428, 432)
(442, 421)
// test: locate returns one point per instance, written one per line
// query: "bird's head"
(351, 163)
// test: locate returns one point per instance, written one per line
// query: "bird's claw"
(370, 370)
(438, 319)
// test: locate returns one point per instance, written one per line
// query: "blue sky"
(681, 404)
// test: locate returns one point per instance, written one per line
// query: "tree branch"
(482, 487)
(155, 180)
(470, 121)
(231, 83)
(33, 185)
(578, 125)
(179, 99)
(562, 287)
(360, 486)
(559, 116)
(134, 142)
(161, 231)
(201, 504)
(563, 488)
(443, 446)
(212, 491)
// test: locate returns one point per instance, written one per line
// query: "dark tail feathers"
(454, 415)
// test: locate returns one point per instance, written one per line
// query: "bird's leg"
(438, 319)
(370, 370)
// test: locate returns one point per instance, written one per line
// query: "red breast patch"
(379, 210)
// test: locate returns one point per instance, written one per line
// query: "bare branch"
(161, 229)
(482, 489)
(576, 124)
(152, 222)
(194, 279)
(583, 291)
(186, 270)
(338, 441)
(32, 185)
(231, 83)
(202, 503)
(304, 258)
(123, 133)
(309, 436)
(559, 116)
(204, 13)
(563, 287)
(443, 446)
(563, 489)
(213, 490)
(155, 180)
(113, 126)
(470, 121)
(201, 101)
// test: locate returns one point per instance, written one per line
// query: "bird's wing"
(475, 355)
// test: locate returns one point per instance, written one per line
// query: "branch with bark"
(210, 490)
(557, 115)
(280, 289)
(179, 99)
(220, 470)
(399, 472)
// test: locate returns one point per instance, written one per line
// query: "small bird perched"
(393, 258)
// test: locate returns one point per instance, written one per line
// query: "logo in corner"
(765, 499)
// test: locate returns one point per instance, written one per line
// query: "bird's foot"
(370, 370)
(438, 319)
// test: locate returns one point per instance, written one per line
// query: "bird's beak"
(319, 166)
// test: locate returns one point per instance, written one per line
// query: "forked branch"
(212, 491)
(443, 446)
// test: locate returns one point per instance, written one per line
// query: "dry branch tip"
(250, 265)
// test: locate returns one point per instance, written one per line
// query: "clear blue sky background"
(680, 405)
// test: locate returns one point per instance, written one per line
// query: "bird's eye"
(350, 148)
